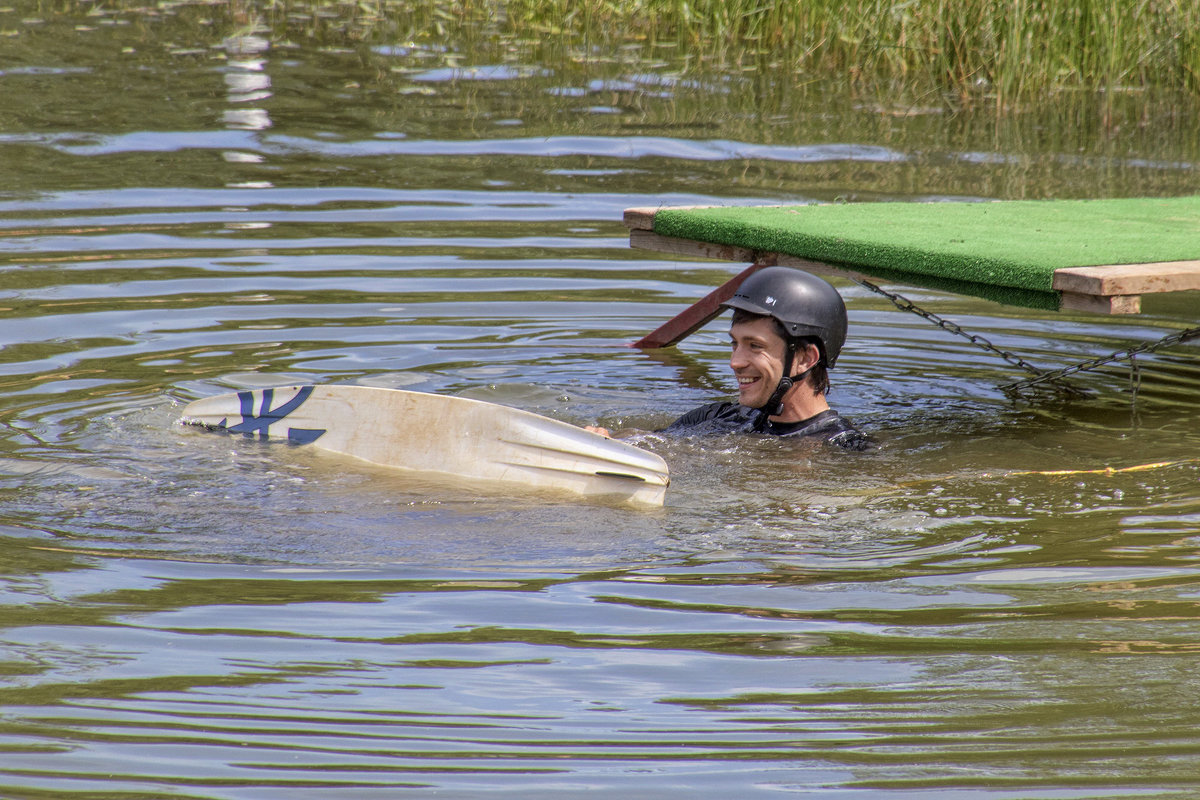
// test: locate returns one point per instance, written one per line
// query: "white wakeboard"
(434, 433)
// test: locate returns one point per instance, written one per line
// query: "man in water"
(787, 331)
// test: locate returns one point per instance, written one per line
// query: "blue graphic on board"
(260, 423)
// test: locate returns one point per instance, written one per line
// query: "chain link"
(1121, 355)
(1041, 376)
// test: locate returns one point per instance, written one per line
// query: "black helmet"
(804, 304)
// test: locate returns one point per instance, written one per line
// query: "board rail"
(442, 437)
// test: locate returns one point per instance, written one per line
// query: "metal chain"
(904, 304)
(1041, 376)
(1135, 386)
(1121, 355)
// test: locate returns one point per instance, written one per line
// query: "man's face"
(756, 360)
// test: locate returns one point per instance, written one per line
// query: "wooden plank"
(1128, 279)
(696, 315)
(645, 240)
(1105, 289)
(821, 268)
(1100, 290)
(640, 219)
(1101, 304)
(702, 311)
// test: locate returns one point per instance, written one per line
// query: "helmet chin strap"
(774, 405)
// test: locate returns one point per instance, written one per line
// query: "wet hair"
(818, 376)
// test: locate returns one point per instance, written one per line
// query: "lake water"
(191, 207)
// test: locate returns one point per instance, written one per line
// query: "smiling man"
(787, 331)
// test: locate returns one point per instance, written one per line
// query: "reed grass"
(1015, 51)
(1015, 54)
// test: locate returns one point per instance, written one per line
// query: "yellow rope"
(1052, 473)
(1104, 470)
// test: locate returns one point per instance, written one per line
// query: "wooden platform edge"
(1125, 279)
(1113, 289)
(1103, 289)
(639, 219)
(645, 240)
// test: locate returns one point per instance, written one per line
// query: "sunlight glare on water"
(999, 600)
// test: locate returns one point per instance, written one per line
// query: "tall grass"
(1015, 54)
(1012, 51)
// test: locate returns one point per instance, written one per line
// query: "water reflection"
(246, 82)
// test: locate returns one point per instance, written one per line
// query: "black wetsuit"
(725, 417)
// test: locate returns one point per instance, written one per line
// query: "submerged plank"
(1101, 304)
(696, 315)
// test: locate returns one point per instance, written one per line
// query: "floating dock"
(1085, 255)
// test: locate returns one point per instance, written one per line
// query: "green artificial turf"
(1005, 251)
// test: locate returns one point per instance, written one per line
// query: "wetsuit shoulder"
(719, 417)
(726, 417)
(828, 425)
(851, 439)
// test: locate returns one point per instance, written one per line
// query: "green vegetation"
(1013, 50)
(1010, 54)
